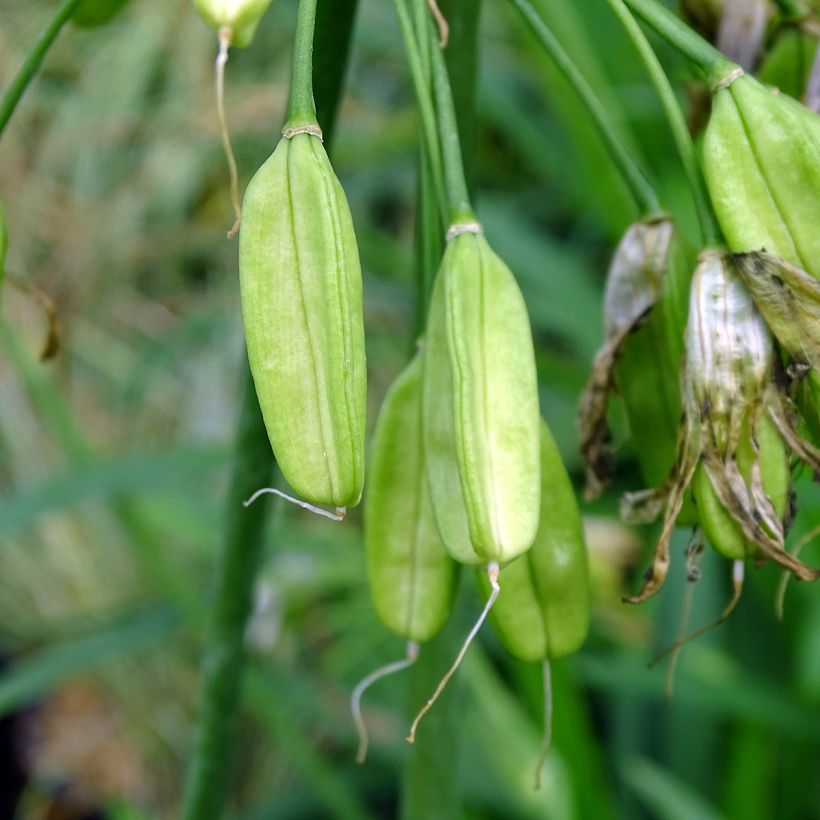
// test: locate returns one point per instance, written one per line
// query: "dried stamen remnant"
(730, 444)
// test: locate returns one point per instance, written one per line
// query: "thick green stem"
(301, 108)
(676, 119)
(32, 62)
(704, 55)
(633, 176)
(421, 84)
(208, 775)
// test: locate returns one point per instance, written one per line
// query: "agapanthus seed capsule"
(240, 16)
(302, 311)
(480, 407)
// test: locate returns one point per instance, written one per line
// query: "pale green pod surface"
(493, 400)
(441, 469)
(721, 530)
(242, 16)
(302, 310)
(410, 574)
(543, 608)
(761, 159)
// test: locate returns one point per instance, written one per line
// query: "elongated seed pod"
(302, 310)
(242, 16)
(93, 13)
(761, 159)
(410, 574)
(480, 407)
(543, 608)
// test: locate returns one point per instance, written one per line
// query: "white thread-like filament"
(339, 515)
(365, 683)
(492, 573)
(225, 36)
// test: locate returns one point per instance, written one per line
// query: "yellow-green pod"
(241, 16)
(301, 294)
(761, 159)
(93, 13)
(410, 574)
(480, 407)
(543, 608)
(721, 530)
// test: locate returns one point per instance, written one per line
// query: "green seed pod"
(645, 306)
(241, 16)
(93, 13)
(543, 608)
(761, 159)
(410, 574)
(480, 407)
(302, 311)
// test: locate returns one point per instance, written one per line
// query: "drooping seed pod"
(645, 304)
(410, 575)
(728, 390)
(93, 13)
(761, 160)
(240, 16)
(480, 407)
(302, 312)
(542, 610)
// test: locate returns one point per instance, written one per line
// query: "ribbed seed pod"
(242, 16)
(480, 407)
(735, 422)
(645, 306)
(410, 574)
(543, 608)
(761, 159)
(302, 310)
(92, 13)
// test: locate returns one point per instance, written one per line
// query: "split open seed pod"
(301, 292)
(645, 304)
(734, 432)
(480, 407)
(241, 16)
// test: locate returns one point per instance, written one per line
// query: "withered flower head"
(638, 279)
(729, 392)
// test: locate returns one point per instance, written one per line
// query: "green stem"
(676, 119)
(301, 107)
(704, 55)
(208, 776)
(633, 176)
(33, 60)
(420, 76)
(460, 209)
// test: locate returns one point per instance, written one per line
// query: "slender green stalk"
(32, 62)
(635, 179)
(460, 208)
(208, 775)
(709, 227)
(704, 55)
(301, 107)
(421, 83)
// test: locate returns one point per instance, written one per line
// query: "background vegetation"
(114, 455)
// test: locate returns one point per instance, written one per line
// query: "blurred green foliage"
(114, 456)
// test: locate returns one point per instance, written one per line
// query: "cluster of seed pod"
(749, 355)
